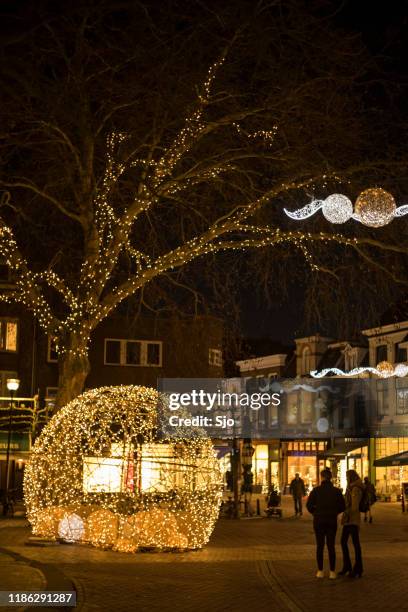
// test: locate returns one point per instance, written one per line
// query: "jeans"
(354, 532)
(325, 531)
(298, 504)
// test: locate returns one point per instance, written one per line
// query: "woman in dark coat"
(351, 525)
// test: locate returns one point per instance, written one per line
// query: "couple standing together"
(326, 502)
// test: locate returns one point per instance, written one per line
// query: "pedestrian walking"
(351, 525)
(325, 503)
(297, 490)
(370, 497)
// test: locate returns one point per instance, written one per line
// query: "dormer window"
(381, 353)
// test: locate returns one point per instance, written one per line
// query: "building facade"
(123, 351)
(370, 425)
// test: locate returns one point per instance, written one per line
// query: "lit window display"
(355, 460)
(302, 459)
(102, 475)
(388, 479)
(260, 466)
(306, 467)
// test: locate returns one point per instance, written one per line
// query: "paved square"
(252, 564)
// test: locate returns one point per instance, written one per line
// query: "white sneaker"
(319, 574)
(332, 575)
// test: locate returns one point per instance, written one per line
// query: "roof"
(386, 329)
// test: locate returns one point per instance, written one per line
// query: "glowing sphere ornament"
(401, 370)
(337, 208)
(385, 369)
(375, 207)
(99, 474)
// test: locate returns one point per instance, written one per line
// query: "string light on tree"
(117, 193)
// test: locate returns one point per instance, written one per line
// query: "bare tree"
(125, 171)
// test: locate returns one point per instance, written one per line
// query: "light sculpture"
(384, 369)
(374, 207)
(98, 473)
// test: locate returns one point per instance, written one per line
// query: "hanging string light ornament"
(337, 208)
(374, 207)
(99, 474)
(384, 369)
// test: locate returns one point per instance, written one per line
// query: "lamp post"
(12, 385)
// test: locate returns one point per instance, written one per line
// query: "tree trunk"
(73, 367)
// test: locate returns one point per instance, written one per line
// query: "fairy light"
(99, 474)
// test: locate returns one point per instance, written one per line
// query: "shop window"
(382, 398)
(402, 401)
(133, 352)
(388, 479)
(381, 353)
(260, 464)
(8, 335)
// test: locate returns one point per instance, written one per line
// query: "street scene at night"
(203, 305)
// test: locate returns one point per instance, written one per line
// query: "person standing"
(325, 503)
(297, 490)
(351, 525)
(371, 498)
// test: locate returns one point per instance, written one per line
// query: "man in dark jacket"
(297, 490)
(325, 502)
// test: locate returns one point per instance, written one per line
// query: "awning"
(397, 459)
(222, 451)
(341, 449)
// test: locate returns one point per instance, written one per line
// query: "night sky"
(383, 27)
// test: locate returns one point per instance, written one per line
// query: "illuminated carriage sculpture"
(98, 473)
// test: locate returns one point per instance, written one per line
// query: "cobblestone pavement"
(249, 564)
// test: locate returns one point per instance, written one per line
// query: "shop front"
(303, 457)
(389, 474)
(348, 454)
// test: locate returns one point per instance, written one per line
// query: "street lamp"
(12, 385)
